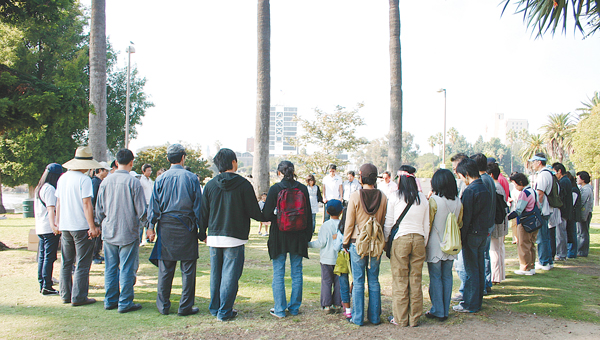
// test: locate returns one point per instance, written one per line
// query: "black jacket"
(566, 196)
(287, 242)
(477, 203)
(228, 203)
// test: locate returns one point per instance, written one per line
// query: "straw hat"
(83, 160)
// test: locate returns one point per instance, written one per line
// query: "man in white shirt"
(75, 220)
(387, 186)
(332, 188)
(147, 185)
(350, 186)
(543, 186)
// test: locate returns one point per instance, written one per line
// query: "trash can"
(28, 208)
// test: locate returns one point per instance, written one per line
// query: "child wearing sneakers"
(329, 242)
(342, 269)
(261, 205)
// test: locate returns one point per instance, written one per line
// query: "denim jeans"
(314, 222)
(583, 237)
(278, 284)
(47, 247)
(473, 256)
(226, 266)
(359, 266)
(460, 271)
(345, 288)
(488, 263)
(543, 242)
(119, 274)
(76, 249)
(440, 287)
(561, 239)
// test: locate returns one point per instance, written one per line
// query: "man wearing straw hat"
(75, 220)
(175, 206)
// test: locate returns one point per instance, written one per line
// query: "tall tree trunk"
(395, 152)
(260, 168)
(97, 118)
(2, 209)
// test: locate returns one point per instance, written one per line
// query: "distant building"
(250, 144)
(244, 159)
(282, 127)
(499, 126)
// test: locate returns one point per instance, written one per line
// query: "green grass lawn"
(570, 291)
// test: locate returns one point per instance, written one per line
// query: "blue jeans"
(583, 237)
(345, 288)
(543, 242)
(47, 247)
(473, 255)
(121, 265)
(460, 271)
(278, 284)
(226, 266)
(359, 266)
(314, 222)
(488, 263)
(440, 287)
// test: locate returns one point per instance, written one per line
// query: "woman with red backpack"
(288, 209)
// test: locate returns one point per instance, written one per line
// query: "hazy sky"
(199, 58)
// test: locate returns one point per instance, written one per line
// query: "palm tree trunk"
(260, 168)
(395, 152)
(97, 118)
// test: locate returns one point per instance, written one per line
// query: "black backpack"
(500, 209)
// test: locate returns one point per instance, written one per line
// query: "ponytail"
(287, 170)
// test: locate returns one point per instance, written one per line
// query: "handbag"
(388, 246)
(531, 220)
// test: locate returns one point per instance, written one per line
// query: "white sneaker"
(547, 267)
(538, 265)
(525, 272)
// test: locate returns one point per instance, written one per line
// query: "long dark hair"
(444, 184)
(287, 170)
(407, 186)
(47, 177)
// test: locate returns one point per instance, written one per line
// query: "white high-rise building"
(499, 126)
(282, 127)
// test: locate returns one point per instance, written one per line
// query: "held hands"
(150, 234)
(55, 230)
(94, 232)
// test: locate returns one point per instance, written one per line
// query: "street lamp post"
(444, 142)
(130, 49)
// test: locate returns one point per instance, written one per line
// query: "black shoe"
(111, 307)
(234, 313)
(50, 291)
(134, 307)
(192, 311)
(164, 312)
(431, 316)
(87, 301)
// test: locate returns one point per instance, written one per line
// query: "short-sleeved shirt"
(332, 187)
(147, 185)
(543, 182)
(46, 196)
(350, 187)
(71, 189)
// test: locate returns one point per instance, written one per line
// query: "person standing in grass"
(315, 196)
(328, 243)
(477, 203)
(228, 203)
(261, 205)
(174, 211)
(497, 250)
(587, 206)
(439, 264)
(75, 220)
(120, 205)
(45, 226)
(292, 242)
(526, 245)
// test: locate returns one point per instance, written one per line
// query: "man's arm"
(88, 211)
(341, 191)
(57, 217)
(324, 193)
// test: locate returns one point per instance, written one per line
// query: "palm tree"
(544, 15)
(557, 134)
(453, 135)
(533, 145)
(587, 109)
(395, 150)
(97, 118)
(260, 166)
(432, 141)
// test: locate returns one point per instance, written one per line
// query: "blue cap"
(491, 160)
(54, 168)
(334, 207)
(537, 158)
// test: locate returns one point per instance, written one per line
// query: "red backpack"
(291, 210)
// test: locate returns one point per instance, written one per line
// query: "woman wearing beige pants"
(526, 246)
(408, 248)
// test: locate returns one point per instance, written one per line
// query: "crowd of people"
(364, 216)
